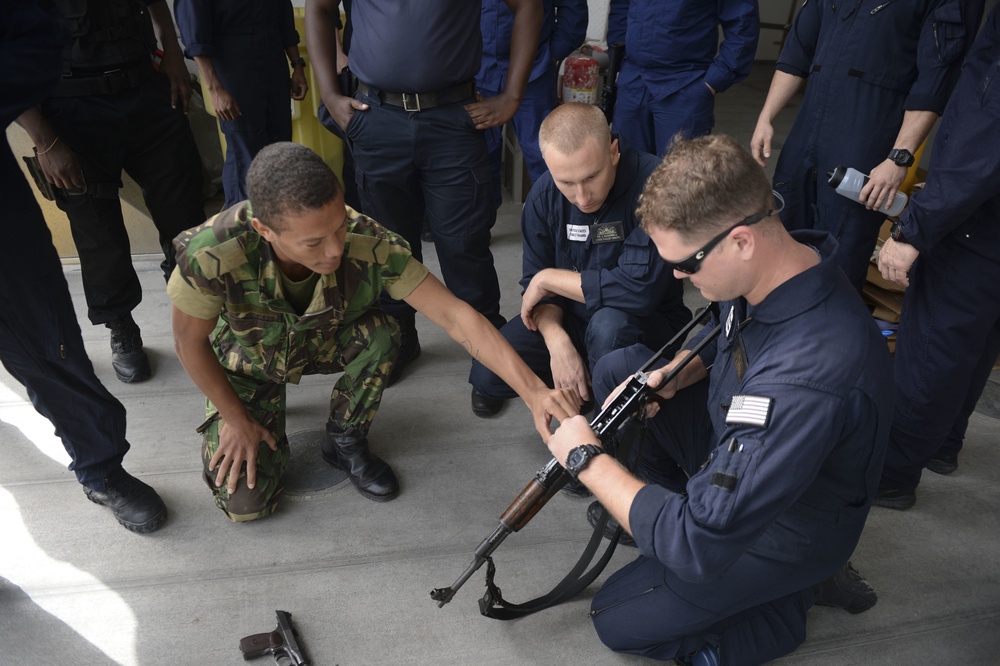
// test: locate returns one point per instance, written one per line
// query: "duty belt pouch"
(348, 82)
(41, 182)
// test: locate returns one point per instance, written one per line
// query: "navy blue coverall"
(246, 41)
(564, 27)
(867, 62)
(783, 461)
(631, 295)
(949, 335)
(672, 50)
(40, 341)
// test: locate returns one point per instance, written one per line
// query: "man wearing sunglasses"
(780, 422)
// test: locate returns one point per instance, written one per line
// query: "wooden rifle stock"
(550, 479)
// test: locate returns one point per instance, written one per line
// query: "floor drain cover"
(307, 471)
(989, 401)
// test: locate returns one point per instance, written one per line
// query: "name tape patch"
(749, 410)
(577, 232)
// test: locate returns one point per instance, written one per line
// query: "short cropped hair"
(569, 125)
(285, 178)
(703, 185)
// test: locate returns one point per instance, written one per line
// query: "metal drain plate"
(307, 472)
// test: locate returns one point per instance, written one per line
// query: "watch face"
(901, 157)
(575, 458)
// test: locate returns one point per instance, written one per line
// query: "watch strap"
(589, 452)
(901, 157)
(896, 233)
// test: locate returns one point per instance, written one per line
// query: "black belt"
(423, 101)
(105, 83)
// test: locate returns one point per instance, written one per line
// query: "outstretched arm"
(485, 344)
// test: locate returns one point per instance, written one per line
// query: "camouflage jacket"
(259, 334)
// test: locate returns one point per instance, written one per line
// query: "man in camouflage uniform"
(287, 285)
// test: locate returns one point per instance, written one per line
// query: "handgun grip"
(260, 644)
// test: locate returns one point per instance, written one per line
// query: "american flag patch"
(749, 410)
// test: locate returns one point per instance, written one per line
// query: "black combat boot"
(409, 349)
(348, 450)
(846, 589)
(127, 357)
(135, 504)
(485, 406)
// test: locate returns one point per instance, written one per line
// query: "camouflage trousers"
(365, 351)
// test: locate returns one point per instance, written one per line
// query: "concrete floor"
(76, 588)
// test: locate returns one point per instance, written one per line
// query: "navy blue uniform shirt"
(415, 46)
(806, 439)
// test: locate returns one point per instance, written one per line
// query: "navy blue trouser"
(409, 164)
(135, 130)
(40, 341)
(266, 119)
(607, 329)
(351, 197)
(539, 100)
(649, 124)
(756, 611)
(948, 341)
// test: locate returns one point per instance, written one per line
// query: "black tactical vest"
(106, 34)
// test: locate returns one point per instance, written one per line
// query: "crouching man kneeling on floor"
(287, 284)
(780, 424)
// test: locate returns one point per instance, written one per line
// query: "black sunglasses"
(691, 264)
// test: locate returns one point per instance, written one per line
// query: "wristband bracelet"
(42, 152)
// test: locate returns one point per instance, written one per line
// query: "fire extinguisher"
(580, 77)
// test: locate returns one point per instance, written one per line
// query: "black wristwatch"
(298, 61)
(580, 457)
(901, 157)
(896, 232)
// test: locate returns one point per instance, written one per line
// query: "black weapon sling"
(493, 604)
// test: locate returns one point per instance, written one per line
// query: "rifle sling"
(493, 605)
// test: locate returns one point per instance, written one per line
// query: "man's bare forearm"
(322, 37)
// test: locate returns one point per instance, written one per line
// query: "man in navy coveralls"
(781, 424)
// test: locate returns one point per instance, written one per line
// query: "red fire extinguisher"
(580, 77)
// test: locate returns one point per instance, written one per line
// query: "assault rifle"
(551, 478)
(282, 642)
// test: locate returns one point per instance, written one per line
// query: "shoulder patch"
(749, 410)
(221, 259)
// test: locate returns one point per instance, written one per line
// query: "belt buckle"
(411, 97)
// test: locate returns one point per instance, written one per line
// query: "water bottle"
(849, 182)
